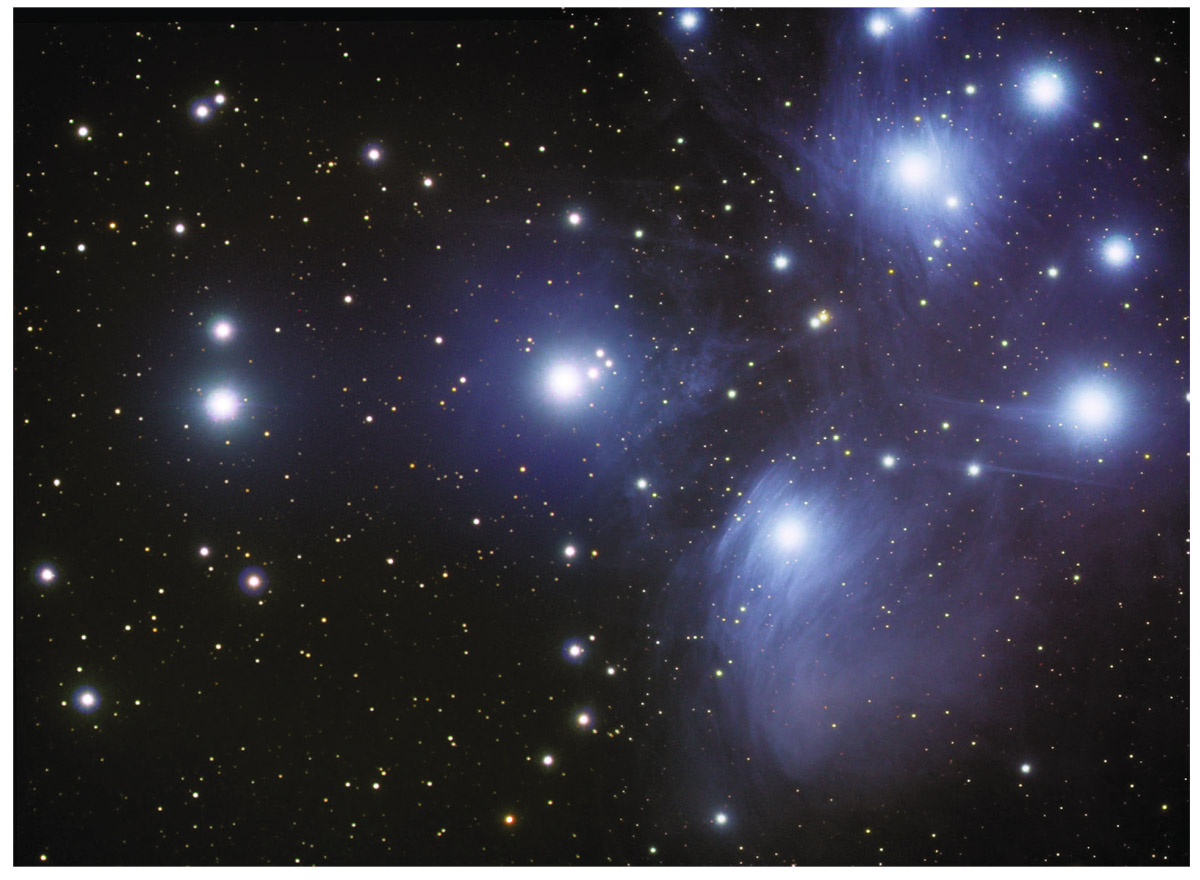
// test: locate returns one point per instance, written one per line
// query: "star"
(781, 262)
(688, 20)
(86, 699)
(222, 405)
(46, 575)
(1045, 89)
(877, 25)
(222, 330)
(1118, 250)
(888, 461)
(252, 581)
(915, 170)
(790, 534)
(564, 382)
(1092, 407)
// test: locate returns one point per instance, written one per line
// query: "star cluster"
(601, 437)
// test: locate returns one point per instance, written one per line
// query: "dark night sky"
(625, 437)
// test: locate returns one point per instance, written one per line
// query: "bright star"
(222, 331)
(204, 551)
(721, 818)
(573, 651)
(790, 534)
(889, 461)
(643, 483)
(564, 381)
(1118, 250)
(569, 551)
(1052, 272)
(1092, 407)
(86, 699)
(973, 470)
(373, 154)
(180, 229)
(915, 170)
(46, 575)
(689, 20)
(781, 262)
(878, 25)
(574, 218)
(548, 760)
(1026, 768)
(83, 131)
(951, 201)
(1046, 89)
(222, 405)
(583, 719)
(252, 581)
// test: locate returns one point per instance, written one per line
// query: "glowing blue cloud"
(814, 591)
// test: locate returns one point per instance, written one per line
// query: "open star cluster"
(607, 437)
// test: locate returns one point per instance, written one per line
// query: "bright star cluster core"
(628, 436)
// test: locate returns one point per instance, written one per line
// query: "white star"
(564, 381)
(222, 405)
(1118, 250)
(1045, 89)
